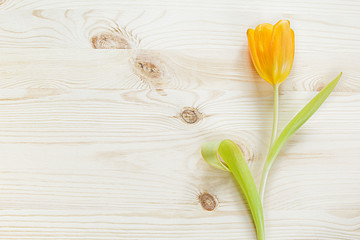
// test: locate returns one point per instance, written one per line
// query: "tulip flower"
(272, 50)
(272, 53)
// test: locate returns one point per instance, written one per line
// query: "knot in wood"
(208, 201)
(148, 69)
(319, 86)
(248, 153)
(190, 115)
(151, 68)
(109, 40)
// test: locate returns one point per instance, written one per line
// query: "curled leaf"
(235, 162)
(209, 151)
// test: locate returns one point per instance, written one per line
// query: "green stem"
(273, 138)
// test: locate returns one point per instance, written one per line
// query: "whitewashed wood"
(178, 69)
(93, 146)
(70, 224)
(86, 130)
(255, 7)
(174, 29)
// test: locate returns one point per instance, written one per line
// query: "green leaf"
(237, 165)
(209, 151)
(294, 125)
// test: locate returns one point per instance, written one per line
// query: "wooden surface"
(94, 143)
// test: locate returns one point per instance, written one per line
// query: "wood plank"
(172, 29)
(93, 224)
(259, 7)
(147, 112)
(166, 69)
(109, 176)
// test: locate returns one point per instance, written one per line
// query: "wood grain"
(171, 29)
(83, 122)
(65, 224)
(259, 7)
(166, 69)
(104, 106)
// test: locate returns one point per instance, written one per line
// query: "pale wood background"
(93, 146)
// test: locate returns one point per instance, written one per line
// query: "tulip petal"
(282, 48)
(253, 52)
(293, 42)
(263, 36)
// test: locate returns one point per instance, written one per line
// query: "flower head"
(272, 50)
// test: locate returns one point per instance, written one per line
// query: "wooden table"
(105, 143)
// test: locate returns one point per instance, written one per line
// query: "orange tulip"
(272, 50)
